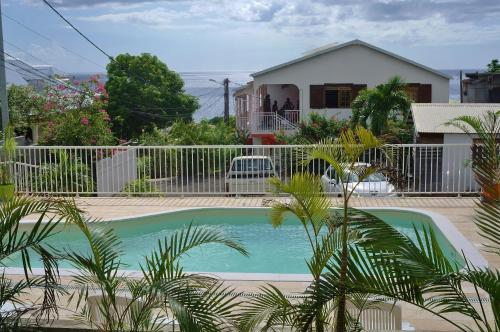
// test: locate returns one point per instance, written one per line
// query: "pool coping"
(457, 240)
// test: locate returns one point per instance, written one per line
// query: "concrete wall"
(352, 64)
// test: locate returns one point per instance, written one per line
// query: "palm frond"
(269, 310)
(163, 263)
(309, 203)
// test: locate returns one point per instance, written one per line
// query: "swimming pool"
(278, 251)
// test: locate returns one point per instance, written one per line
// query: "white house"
(326, 81)
(444, 157)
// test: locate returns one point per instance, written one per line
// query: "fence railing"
(270, 122)
(227, 170)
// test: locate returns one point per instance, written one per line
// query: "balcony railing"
(271, 122)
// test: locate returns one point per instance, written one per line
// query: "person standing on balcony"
(275, 107)
(267, 104)
(288, 105)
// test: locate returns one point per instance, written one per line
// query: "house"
(481, 88)
(430, 121)
(443, 159)
(326, 81)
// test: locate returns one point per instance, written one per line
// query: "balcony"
(271, 122)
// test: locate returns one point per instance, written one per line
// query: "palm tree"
(162, 293)
(486, 168)
(390, 264)
(24, 242)
(376, 106)
(312, 207)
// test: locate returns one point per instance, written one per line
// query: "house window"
(338, 97)
(412, 92)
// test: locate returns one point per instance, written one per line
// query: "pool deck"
(459, 211)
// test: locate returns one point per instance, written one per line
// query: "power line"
(43, 76)
(26, 52)
(51, 40)
(77, 30)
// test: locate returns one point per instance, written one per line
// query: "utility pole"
(226, 100)
(461, 88)
(3, 81)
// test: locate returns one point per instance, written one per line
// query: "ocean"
(210, 93)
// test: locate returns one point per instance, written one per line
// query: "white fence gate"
(115, 172)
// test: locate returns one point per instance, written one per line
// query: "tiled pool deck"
(459, 211)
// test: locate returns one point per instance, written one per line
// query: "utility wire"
(26, 52)
(42, 75)
(77, 30)
(51, 40)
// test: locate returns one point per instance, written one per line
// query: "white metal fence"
(221, 170)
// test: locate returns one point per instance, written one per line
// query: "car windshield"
(251, 165)
(375, 177)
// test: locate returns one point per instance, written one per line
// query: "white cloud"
(159, 17)
(434, 22)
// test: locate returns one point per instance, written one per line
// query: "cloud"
(423, 21)
(97, 3)
(155, 17)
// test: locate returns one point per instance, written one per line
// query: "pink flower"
(102, 111)
(84, 121)
(48, 106)
(93, 141)
(50, 124)
(76, 83)
(61, 87)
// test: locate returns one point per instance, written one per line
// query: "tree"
(26, 243)
(311, 206)
(389, 264)
(163, 293)
(25, 107)
(375, 107)
(315, 129)
(77, 116)
(144, 93)
(493, 66)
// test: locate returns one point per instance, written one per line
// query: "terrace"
(458, 210)
(126, 183)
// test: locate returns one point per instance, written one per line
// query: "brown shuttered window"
(425, 93)
(317, 93)
(356, 89)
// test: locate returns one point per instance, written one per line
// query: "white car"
(375, 184)
(249, 175)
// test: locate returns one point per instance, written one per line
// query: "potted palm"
(6, 157)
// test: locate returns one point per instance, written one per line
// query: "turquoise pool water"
(281, 250)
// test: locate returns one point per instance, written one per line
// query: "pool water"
(280, 250)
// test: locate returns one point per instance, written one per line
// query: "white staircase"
(270, 122)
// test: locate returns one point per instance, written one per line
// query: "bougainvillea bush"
(77, 115)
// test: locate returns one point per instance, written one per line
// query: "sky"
(250, 35)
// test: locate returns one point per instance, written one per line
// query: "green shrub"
(140, 187)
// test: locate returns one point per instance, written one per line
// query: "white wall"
(114, 173)
(352, 64)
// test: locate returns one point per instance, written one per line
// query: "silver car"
(374, 185)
